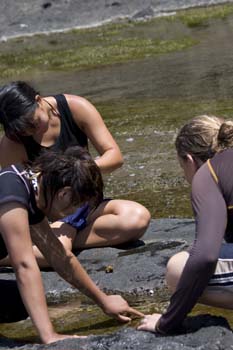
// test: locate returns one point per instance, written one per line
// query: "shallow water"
(83, 318)
(80, 317)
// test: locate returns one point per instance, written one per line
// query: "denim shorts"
(78, 219)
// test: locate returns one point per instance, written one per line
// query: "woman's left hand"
(149, 322)
(116, 306)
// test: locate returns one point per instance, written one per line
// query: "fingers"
(123, 318)
(129, 310)
(135, 312)
(81, 336)
(75, 336)
(149, 322)
(141, 327)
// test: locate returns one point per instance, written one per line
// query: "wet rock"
(144, 13)
(139, 269)
(214, 334)
(65, 14)
(46, 5)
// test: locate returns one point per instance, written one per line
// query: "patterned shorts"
(223, 275)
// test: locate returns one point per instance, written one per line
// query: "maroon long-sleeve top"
(212, 202)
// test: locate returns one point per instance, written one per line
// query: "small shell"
(109, 269)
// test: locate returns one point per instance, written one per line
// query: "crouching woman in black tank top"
(32, 124)
(203, 274)
(53, 187)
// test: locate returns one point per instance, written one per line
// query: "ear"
(192, 161)
(38, 99)
(189, 158)
(65, 195)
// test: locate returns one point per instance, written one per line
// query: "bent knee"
(138, 219)
(175, 267)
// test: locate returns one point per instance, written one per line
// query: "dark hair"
(73, 167)
(17, 108)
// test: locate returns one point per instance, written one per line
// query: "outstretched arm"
(68, 266)
(15, 231)
(211, 219)
(90, 121)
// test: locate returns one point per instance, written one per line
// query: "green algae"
(163, 190)
(108, 44)
(84, 57)
(202, 16)
(161, 114)
(81, 317)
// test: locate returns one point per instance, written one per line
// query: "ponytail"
(225, 135)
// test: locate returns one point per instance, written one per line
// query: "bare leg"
(65, 234)
(212, 296)
(113, 222)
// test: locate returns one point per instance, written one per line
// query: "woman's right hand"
(117, 307)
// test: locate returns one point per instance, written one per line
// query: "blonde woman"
(205, 273)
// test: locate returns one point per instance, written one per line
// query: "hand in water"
(56, 337)
(116, 306)
(149, 322)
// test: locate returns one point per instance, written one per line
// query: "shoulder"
(11, 152)
(202, 181)
(204, 187)
(78, 103)
(83, 111)
(12, 188)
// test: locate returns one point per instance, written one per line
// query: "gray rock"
(212, 334)
(137, 269)
(23, 17)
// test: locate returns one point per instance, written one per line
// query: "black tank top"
(70, 133)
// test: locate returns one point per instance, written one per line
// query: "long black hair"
(75, 168)
(17, 108)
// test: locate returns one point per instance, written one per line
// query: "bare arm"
(67, 265)
(15, 231)
(90, 121)
(11, 152)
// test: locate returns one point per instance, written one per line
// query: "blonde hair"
(203, 136)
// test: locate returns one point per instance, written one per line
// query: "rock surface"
(32, 16)
(137, 269)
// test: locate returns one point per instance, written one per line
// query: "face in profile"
(41, 119)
